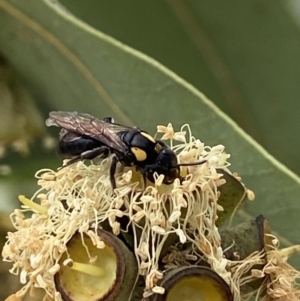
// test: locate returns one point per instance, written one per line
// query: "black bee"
(85, 137)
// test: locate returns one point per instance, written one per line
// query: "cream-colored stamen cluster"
(79, 198)
(283, 279)
(277, 280)
(188, 210)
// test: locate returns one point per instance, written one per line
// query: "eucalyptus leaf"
(19, 118)
(232, 194)
(243, 56)
(72, 66)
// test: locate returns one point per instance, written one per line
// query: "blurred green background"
(243, 55)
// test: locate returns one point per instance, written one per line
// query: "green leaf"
(72, 66)
(243, 56)
(232, 195)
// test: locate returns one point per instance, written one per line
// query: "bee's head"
(166, 163)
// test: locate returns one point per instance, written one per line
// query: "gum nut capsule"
(193, 283)
(111, 275)
(246, 238)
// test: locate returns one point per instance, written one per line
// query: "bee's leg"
(112, 171)
(90, 155)
(143, 171)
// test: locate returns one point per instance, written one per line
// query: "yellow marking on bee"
(139, 154)
(149, 137)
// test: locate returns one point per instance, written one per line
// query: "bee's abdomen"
(72, 144)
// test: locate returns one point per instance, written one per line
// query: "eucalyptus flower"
(78, 199)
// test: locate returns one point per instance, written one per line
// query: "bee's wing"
(85, 124)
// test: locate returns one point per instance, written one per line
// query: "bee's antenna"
(190, 164)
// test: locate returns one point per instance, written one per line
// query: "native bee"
(83, 136)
